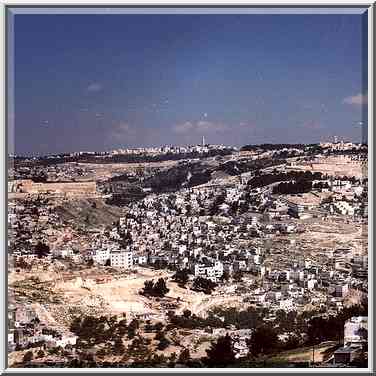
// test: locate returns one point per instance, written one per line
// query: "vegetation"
(42, 250)
(205, 285)
(286, 188)
(264, 340)
(221, 353)
(139, 348)
(118, 347)
(119, 158)
(235, 168)
(300, 177)
(184, 356)
(264, 147)
(181, 277)
(190, 321)
(158, 289)
(249, 318)
(163, 341)
(95, 330)
(176, 177)
(27, 357)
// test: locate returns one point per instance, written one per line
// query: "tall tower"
(203, 141)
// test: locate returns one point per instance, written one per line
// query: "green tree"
(238, 276)
(131, 333)
(118, 346)
(42, 250)
(264, 340)
(203, 284)
(134, 324)
(148, 288)
(163, 342)
(225, 276)
(293, 341)
(27, 357)
(184, 356)
(221, 353)
(172, 358)
(138, 348)
(181, 277)
(159, 336)
(160, 288)
(158, 326)
(132, 328)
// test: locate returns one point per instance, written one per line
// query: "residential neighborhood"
(265, 243)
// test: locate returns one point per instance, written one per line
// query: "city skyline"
(181, 148)
(103, 82)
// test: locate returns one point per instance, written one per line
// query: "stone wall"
(63, 188)
(334, 166)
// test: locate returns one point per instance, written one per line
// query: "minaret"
(203, 141)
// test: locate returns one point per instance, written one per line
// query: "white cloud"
(357, 100)
(311, 125)
(199, 127)
(94, 87)
(184, 127)
(207, 126)
(122, 131)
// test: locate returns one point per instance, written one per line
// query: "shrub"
(27, 357)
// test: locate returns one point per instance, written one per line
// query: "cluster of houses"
(171, 149)
(355, 341)
(53, 172)
(192, 230)
(25, 330)
(177, 230)
(169, 230)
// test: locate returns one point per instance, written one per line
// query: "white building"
(241, 348)
(343, 207)
(356, 330)
(212, 272)
(101, 256)
(286, 305)
(293, 275)
(182, 249)
(121, 259)
(258, 259)
(312, 284)
(140, 260)
(62, 252)
(10, 338)
(66, 340)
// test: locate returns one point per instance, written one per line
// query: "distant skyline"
(102, 82)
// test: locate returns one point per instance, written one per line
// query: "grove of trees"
(205, 285)
(221, 353)
(181, 277)
(157, 289)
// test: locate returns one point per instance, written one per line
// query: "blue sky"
(99, 82)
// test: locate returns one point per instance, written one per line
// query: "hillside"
(92, 212)
(181, 176)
